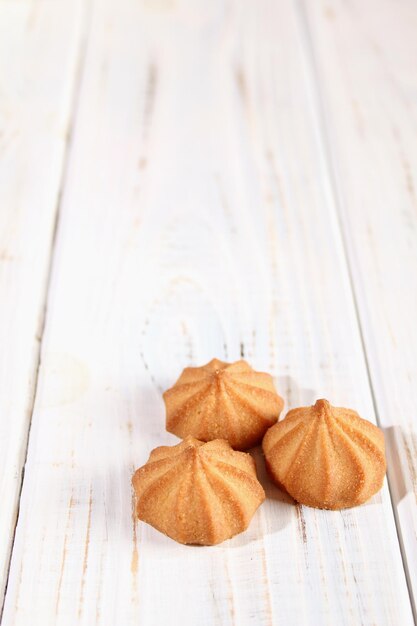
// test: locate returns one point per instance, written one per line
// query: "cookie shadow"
(401, 462)
(277, 511)
(293, 394)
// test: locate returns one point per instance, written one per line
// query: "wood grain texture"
(366, 57)
(38, 52)
(198, 220)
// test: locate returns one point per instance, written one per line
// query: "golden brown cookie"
(326, 457)
(198, 493)
(223, 401)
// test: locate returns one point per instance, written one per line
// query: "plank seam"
(73, 112)
(319, 113)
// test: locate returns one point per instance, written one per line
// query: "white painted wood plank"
(198, 220)
(366, 55)
(39, 44)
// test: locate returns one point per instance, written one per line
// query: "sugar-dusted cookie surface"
(196, 492)
(223, 401)
(326, 457)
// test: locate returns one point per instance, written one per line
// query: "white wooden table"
(180, 180)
